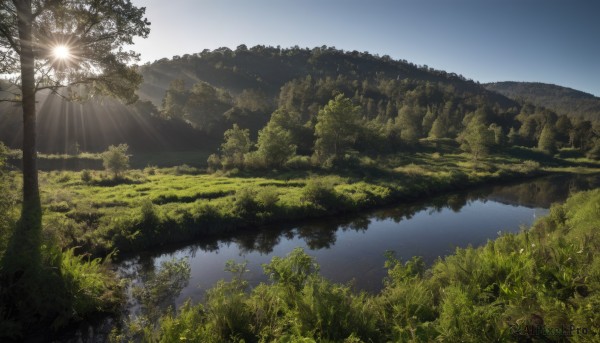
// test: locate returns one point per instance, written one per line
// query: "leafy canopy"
(75, 43)
(337, 128)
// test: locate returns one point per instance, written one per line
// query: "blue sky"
(486, 40)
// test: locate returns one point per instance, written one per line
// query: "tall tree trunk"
(25, 243)
(31, 194)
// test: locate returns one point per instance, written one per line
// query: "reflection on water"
(351, 248)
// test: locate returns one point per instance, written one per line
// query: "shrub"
(148, 212)
(253, 160)
(293, 270)
(184, 169)
(150, 170)
(161, 288)
(115, 160)
(214, 163)
(320, 192)
(298, 162)
(528, 167)
(86, 176)
(245, 203)
(594, 153)
(267, 197)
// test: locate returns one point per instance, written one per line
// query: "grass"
(542, 284)
(99, 213)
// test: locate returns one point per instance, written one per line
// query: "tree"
(337, 128)
(477, 138)
(500, 138)
(547, 141)
(563, 127)
(409, 120)
(237, 143)
(527, 131)
(175, 99)
(52, 44)
(275, 143)
(439, 128)
(594, 152)
(115, 160)
(205, 106)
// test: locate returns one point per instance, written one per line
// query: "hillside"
(561, 100)
(188, 102)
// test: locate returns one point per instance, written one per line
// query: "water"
(350, 248)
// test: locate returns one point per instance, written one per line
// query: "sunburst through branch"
(61, 52)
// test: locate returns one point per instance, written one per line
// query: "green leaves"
(115, 159)
(337, 128)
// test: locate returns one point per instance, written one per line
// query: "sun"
(61, 52)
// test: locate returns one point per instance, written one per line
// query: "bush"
(594, 153)
(253, 160)
(320, 192)
(528, 167)
(149, 214)
(214, 163)
(298, 162)
(244, 203)
(115, 160)
(150, 170)
(267, 197)
(184, 169)
(86, 176)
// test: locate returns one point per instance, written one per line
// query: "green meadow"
(155, 206)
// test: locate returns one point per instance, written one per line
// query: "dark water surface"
(350, 248)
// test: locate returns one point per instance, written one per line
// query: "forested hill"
(561, 100)
(270, 68)
(188, 102)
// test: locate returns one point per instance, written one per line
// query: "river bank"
(516, 287)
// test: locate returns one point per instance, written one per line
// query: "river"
(350, 248)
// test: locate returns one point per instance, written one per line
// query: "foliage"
(594, 153)
(86, 176)
(275, 145)
(185, 203)
(237, 143)
(562, 100)
(516, 288)
(477, 138)
(162, 287)
(87, 28)
(321, 192)
(116, 160)
(337, 128)
(547, 141)
(8, 200)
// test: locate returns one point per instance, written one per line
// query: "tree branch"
(9, 38)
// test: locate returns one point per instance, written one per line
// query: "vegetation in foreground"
(542, 284)
(129, 211)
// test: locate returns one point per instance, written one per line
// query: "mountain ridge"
(560, 99)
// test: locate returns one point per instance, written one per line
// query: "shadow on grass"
(115, 181)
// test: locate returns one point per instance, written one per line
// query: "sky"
(546, 41)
